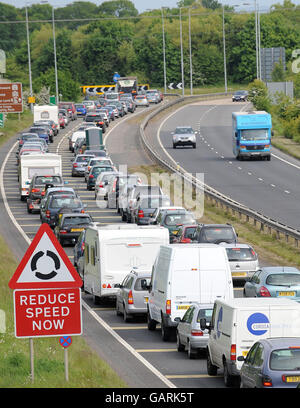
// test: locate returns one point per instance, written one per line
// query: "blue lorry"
(251, 135)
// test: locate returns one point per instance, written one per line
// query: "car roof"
(279, 269)
(279, 342)
(54, 189)
(233, 245)
(216, 225)
(73, 215)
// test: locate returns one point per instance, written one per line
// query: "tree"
(278, 73)
(118, 8)
(211, 4)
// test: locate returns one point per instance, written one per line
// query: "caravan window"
(32, 171)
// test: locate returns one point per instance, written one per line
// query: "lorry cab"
(251, 135)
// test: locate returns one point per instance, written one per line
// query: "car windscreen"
(240, 254)
(213, 234)
(39, 130)
(79, 106)
(178, 219)
(151, 202)
(283, 279)
(76, 220)
(29, 136)
(285, 359)
(40, 180)
(96, 162)
(205, 314)
(97, 170)
(70, 202)
(138, 284)
(183, 130)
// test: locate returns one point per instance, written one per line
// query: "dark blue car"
(42, 132)
(80, 109)
(272, 363)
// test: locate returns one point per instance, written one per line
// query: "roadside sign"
(45, 265)
(11, 99)
(47, 312)
(1, 120)
(65, 341)
(52, 100)
(31, 99)
(116, 77)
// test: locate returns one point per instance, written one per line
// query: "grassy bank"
(14, 124)
(86, 369)
(269, 249)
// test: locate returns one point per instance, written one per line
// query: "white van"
(36, 163)
(238, 323)
(182, 275)
(112, 251)
(46, 112)
(73, 137)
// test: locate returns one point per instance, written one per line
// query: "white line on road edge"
(84, 304)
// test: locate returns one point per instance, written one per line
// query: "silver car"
(132, 297)
(243, 261)
(103, 182)
(189, 335)
(184, 136)
(141, 100)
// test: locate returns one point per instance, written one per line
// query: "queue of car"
(171, 269)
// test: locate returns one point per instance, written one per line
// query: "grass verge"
(270, 250)
(86, 369)
(15, 124)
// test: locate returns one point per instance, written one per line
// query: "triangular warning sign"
(45, 265)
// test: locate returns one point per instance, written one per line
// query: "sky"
(142, 5)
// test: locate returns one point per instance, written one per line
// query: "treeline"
(93, 42)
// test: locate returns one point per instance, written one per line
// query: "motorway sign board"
(45, 265)
(47, 312)
(1, 120)
(11, 99)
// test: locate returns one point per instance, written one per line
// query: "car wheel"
(165, 332)
(228, 379)
(180, 346)
(211, 368)
(174, 146)
(269, 158)
(151, 323)
(117, 310)
(191, 352)
(126, 317)
(29, 210)
(96, 300)
(124, 218)
(194, 145)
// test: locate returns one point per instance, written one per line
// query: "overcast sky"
(142, 5)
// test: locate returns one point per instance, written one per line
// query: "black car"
(55, 203)
(48, 122)
(145, 207)
(215, 234)
(43, 132)
(240, 96)
(94, 173)
(37, 190)
(96, 117)
(70, 226)
(24, 137)
(46, 126)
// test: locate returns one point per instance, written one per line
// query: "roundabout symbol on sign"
(45, 276)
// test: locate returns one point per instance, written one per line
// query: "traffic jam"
(153, 260)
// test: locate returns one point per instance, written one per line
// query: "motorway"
(140, 357)
(271, 188)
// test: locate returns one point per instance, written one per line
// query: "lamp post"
(29, 56)
(55, 60)
(164, 48)
(181, 52)
(224, 51)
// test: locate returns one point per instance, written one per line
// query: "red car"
(185, 234)
(62, 121)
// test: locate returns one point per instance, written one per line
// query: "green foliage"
(258, 95)
(278, 73)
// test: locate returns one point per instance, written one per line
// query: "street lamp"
(29, 56)
(164, 48)
(181, 52)
(224, 50)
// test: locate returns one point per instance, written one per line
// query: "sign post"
(47, 295)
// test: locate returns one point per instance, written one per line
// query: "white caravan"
(46, 112)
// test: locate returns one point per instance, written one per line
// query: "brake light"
(243, 147)
(168, 306)
(141, 214)
(48, 214)
(196, 332)
(82, 246)
(264, 292)
(101, 185)
(62, 231)
(35, 190)
(75, 165)
(233, 352)
(266, 381)
(91, 176)
(43, 193)
(267, 146)
(82, 211)
(186, 240)
(130, 298)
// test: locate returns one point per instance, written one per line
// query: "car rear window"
(241, 254)
(138, 283)
(81, 159)
(189, 232)
(76, 220)
(154, 203)
(40, 180)
(212, 234)
(204, 314)
(178, 219)
(69, 202)
(283, 279)
(285, 359)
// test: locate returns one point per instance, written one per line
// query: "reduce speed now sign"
(47, 295)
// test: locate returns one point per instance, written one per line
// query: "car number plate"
(287, 293)
(239, 274)
(76, 229)
(182, 307)
(295, 378)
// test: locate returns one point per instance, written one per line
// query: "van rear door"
(184, 282)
